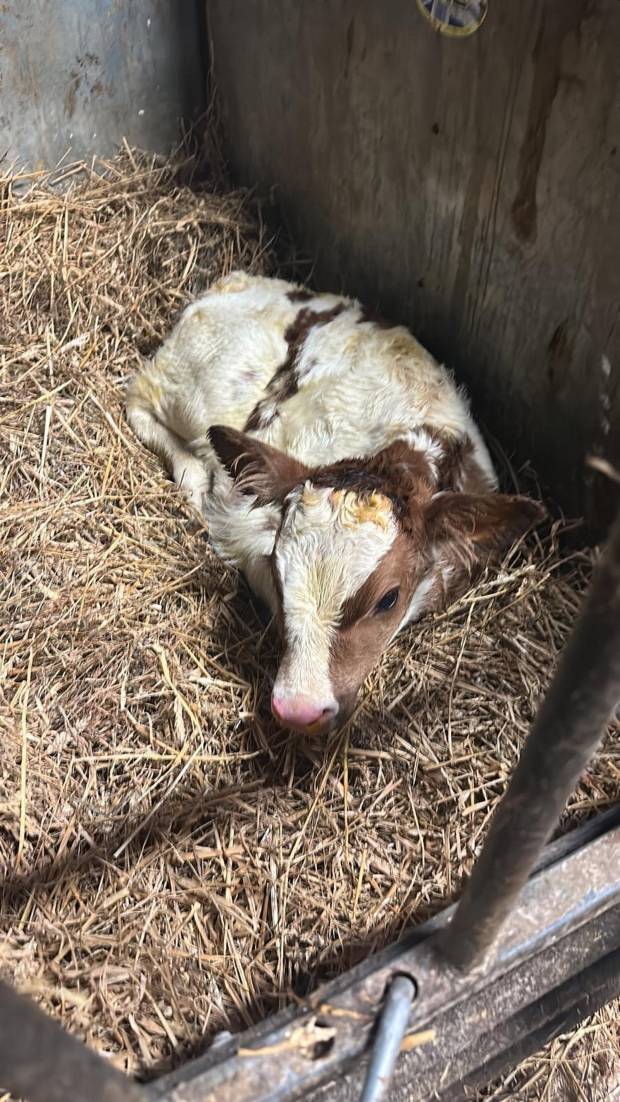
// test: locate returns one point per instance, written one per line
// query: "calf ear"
(256, 468)
(472, 528)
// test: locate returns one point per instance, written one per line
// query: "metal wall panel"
(76, 76)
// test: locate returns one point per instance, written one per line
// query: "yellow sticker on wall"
(455, 18)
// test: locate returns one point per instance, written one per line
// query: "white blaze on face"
(331, 541)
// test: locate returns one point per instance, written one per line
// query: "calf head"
(359, 549)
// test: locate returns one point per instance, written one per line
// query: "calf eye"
(388, 600)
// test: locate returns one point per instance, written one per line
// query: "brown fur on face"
(398, 569)
(445, 537)
(364, 632)
(399, 472)
(460, 534)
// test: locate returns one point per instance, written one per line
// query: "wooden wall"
(470, 188)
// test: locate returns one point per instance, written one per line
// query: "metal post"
(569, 725)
(39, 1062)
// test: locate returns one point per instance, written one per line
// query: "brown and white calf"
(337, 466)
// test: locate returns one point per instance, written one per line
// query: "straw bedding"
(172, 864)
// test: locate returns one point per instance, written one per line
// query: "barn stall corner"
(175, 867)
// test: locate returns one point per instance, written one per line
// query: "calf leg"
(187, 471)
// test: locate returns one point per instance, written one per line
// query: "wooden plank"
(467, 187)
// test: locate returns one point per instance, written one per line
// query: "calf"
(336, 464)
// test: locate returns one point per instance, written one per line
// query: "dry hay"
(173, 865)
(580, 1066)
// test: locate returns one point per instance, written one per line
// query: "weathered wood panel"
(468, 187)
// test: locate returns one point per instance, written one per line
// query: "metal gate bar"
(503, 1049)
(567, 730)
(471, 1048)
(40, 1062)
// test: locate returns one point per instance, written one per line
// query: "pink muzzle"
(300, 713)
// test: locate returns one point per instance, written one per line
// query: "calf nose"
(301, 713)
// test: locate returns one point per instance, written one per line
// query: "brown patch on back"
(257, 419)
(301, 295)
(284, 383)
(369, 316)
(299, 328)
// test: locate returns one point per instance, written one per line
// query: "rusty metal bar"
(466, 1056)
(503, 1048)
(567, 730)
(39, 1062)
(555, 932)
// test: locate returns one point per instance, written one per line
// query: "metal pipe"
(392, 1026)
(39, 1062)
(570, 723)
